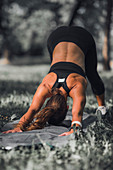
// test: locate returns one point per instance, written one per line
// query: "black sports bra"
(63, 70)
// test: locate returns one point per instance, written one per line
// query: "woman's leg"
(93, 76)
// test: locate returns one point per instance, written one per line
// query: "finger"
(20, 131)
(4, 132)
(7, 132)
(63, 134)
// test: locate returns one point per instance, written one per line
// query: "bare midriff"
(68, 52)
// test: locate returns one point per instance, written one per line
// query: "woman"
(73, 57)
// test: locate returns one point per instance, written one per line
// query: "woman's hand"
(67, 133)
(13, 130)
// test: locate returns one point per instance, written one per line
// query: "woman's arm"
(39, 98)
(37, 102)
(77, 93)
(79, 100)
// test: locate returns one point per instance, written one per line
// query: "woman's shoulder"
(75, 80)
(49, 80)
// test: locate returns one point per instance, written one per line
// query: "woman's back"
(69, 44)
(68, 52)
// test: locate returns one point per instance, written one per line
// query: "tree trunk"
(106, 46)
(74, 12)
(5, 59)
(5, 51)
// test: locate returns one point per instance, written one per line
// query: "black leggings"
(91, 71)
(85, 41)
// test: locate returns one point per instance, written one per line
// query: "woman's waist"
(76, 58)
(66, 68)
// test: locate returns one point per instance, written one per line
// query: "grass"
(89, 151)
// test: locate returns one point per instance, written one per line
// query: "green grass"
(91, 150)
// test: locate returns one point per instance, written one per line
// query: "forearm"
(27, 117)
(77, 118)
(25, 120)
(36, 105)
(77, 110)
(77, 115)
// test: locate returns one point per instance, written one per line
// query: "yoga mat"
(48, 135)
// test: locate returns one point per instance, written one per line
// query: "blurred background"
(25, 26)
(24, 60)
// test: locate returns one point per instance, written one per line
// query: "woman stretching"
(73, 57)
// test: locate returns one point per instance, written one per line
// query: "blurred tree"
(25, 25)
(92, 15)
(4, 30)
(77, 6)
(106, 46)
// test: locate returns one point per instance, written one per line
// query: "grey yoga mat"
(47, 135)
